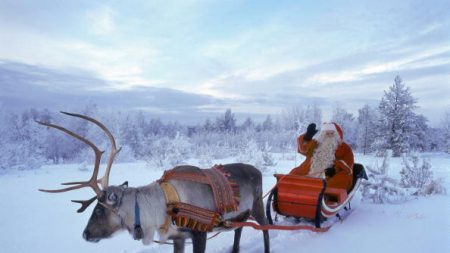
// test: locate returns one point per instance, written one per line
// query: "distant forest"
(393, 125)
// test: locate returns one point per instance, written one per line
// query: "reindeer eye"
(98, 211)
(112, 197)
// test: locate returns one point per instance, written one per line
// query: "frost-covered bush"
(268, 159)
(216, 145)
(414, 174)
(420, 176)
(85, 155)
(205, 156)
(253, 155)
(126, 154)
(416, 179)
(380, 188)
(84, 166)
(433, 187)
(165, 151)
(20, 157)
(21, 141)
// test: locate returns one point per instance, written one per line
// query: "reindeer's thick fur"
(119, 211)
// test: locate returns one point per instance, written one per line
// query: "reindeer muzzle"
(87, 236)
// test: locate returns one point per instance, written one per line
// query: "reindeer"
(142, 211)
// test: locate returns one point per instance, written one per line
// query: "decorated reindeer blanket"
(225, 193)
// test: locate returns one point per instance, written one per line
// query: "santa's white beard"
(324, 154)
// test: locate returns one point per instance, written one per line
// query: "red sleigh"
(310, 198)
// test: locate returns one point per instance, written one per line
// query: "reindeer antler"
(93, 181)
(84, 203)
(105, 179)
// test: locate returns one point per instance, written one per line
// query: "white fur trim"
(329, 127)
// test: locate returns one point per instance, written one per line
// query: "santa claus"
(327, 156)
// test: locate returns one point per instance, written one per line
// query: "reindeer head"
(105, 219)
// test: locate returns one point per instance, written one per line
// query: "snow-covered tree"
(167, 152)
(292, 118)
(313, 114)
(419, 175)
(435, 140)
(226, 123)
(397, 120)
(205, 155)
(381, 188)
(419, 138)
(154, 127)
(347, 122)
(208, 126)
(367, 119)
(132, 135)
(297, 118)
(253, 154)
(268, 159)
(435, 186)
(267, 125)
(248, 125)
(22, 140)
(414, 174)
(446, 131)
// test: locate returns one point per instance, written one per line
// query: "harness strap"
(172, 197)
(222, 189)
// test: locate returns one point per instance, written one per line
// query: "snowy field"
(33, 221)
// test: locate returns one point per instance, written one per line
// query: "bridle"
(137, 229)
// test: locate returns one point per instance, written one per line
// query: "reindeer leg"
(260, 217)
(178, 245)
(237, 240)
(199, 242)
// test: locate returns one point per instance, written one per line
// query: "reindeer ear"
(124, 185)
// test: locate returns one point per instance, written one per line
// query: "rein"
(232, 224)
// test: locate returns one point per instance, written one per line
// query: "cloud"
(31, 86)
(102, 21)
(253, 55)
(120, 64)
(354, 79)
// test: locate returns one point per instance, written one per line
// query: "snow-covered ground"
(33, 221)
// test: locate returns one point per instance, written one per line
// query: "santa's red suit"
(316, 158)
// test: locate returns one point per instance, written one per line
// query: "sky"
(195, 56)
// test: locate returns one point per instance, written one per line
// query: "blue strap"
(137, 214)
(138, 233)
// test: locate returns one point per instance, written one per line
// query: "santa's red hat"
(333, 126)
